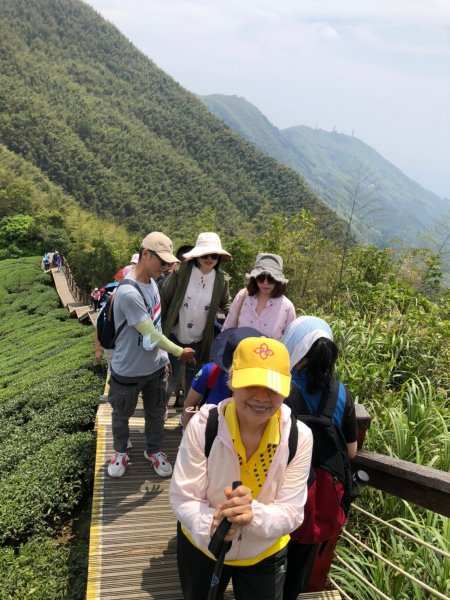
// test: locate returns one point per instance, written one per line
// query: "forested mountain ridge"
(80, 102)
(334, 164)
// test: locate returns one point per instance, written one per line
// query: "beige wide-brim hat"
(207, 243)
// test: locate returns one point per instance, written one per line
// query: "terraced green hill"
(102, 121)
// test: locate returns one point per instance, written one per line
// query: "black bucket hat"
(225, 344)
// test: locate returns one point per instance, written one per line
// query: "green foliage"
(45, 487)
(78, 101)
(16, 235)
(94, 248)
(38, 570)
(46, 442)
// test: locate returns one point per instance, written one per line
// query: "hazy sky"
(380, 68)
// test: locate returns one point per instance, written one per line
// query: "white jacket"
(197, 485)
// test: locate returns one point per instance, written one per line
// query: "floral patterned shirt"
(194, 309)
(271, 322)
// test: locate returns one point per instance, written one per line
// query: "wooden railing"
(77, 292)
(423, 486)
(426, 487)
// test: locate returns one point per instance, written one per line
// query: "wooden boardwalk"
(62, 287)
(132, 545)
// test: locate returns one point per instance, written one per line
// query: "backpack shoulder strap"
(136, 287)
(212, 426)
(293, 438)
(340, 403)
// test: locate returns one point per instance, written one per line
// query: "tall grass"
(395, 358)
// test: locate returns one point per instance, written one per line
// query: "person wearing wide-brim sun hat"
(191, 298)
(250, 437)
(262, 304)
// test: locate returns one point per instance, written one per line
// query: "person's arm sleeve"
(200, 381)
(189, 483)
(349, 422)
(232, 317)
(147, 328)
(167, 292)
(286, 512)
(136, 314)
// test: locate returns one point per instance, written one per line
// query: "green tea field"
(48, 398)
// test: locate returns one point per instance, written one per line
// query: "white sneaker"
(118, 464)
(160, 463)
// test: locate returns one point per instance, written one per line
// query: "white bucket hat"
(268, 263)
(207, 243)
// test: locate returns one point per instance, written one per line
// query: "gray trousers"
(123, 396)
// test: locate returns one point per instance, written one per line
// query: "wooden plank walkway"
(64, 293)
(82, 312)
(132, 551)
(132, 546)
(93, 317)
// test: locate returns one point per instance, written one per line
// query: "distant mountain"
(390, 205)
(102, 121)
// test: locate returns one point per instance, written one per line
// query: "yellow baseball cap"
(262, 361)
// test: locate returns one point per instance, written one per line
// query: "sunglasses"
(163, 263)
(211, 256)
(265, 277)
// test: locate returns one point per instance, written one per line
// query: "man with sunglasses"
(139, 358)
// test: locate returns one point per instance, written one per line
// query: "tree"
(362, 204)
(18, 236)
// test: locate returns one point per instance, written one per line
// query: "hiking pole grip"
(217, 542)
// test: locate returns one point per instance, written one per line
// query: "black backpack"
(212, 426)
(106, 330)
(330, 447)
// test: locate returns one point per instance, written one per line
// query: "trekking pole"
(219, 547)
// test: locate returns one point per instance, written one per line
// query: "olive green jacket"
(172, 295)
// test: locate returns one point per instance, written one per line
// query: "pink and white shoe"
(160, 463)
(118, 464)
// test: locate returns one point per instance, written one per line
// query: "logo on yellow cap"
(264, 351)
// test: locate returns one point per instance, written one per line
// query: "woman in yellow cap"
(249, 438)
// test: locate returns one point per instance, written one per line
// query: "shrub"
(45, 488)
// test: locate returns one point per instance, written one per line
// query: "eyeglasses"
(163, 263)
(265, 277)
(211, 256)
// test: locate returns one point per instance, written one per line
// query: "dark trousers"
(300, 561)
(190, 369)
(263, 581)
(123, 396)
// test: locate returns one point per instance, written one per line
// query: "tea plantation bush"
(48, 397)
